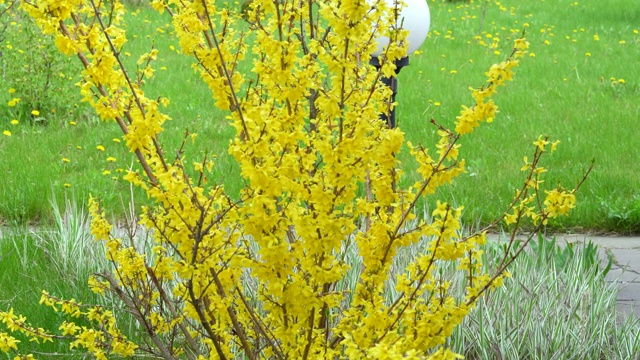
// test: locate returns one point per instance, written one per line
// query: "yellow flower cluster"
(485, 109)
(18, 324)
(102, 340)
(559, 202)
(260, 275)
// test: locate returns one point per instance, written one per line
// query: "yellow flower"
(540, 143)
(8, 342)
(65, 160)
(527, 164)
(106, 172)
(13, 102)
(72, 122)
(67, 185)
(35, 112)
(6, 132)
(14, 122)
(100, 147)
(12, 90)
(111, 159)
(68, 328)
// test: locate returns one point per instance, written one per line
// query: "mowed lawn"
(580, 84)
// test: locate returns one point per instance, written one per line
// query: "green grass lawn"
(578, 85)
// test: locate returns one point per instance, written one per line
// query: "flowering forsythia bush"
(263, 275)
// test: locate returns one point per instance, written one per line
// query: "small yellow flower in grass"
(635, 31)
(100, 147)
(12, 90)
(436, 103)
(13, 102)
(554, 145)
(116, 140)
(65, 160)
(73, 123)
(622, 42)
(453, 72)
(106, 172)
(596, 37)
(111, 159)
(547, 42)
(35, 112)
(6, 133)
(67, 185)
(588, 54)
(621, 81)
(78, 147)
(14, 122)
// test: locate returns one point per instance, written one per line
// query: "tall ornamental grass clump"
(262, 275)
(558, 304)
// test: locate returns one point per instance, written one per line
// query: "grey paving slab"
(620, 275)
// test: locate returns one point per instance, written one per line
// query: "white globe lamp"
(415, 18)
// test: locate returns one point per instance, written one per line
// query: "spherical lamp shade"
(416, 18)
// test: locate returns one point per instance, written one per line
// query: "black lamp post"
(416, 18)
